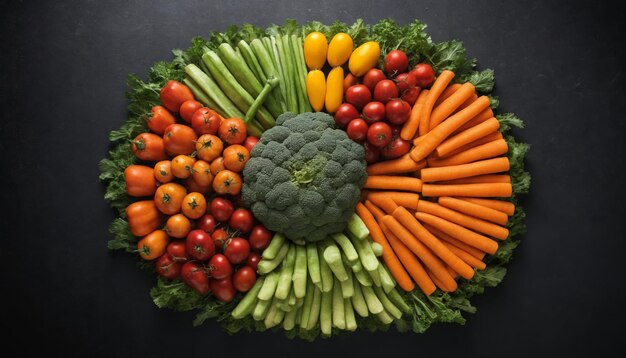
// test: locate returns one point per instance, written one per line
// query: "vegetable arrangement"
(251, 209)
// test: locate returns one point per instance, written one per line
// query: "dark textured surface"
(559, 66)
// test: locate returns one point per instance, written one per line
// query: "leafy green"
(122, 237)
(483, 81)
(176, 295)
(508, 121)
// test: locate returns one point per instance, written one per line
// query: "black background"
(559, 66)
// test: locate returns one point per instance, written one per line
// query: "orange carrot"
(408, 200)
(481, 152)
(409, 222)
(436, 89)
(502, 206)
(410, 126)
(391, 182)
(478, 119)
(421, 251)
(447, 107)
(460, 244)
(466, 257)
(443, 131)
(449, 91)
(498, 190)
(487, 178)
(390, 258)
(475, 210)
(488, 166)
(486, 139)
(454, 274)
(441, 285)
(375, 210)
(487, 127)
(401, 165)
(384, 202)
(458, 232)
(465, 104)
(410, 262)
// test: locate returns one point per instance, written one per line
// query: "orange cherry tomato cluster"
(189, 180)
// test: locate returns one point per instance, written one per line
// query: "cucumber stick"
(266, 266)
(305, 311)
(358, 302)
(300, 272)
(349, 312)
(316, 306)
(339, 315)
(274, 247)
(346, 246)
(286, 274)
(357, 227)
(326, 313)
(208, 85)
(313, 263)
(250, 58)
(387, 304)
(269, 287)
(260, 310)
(332, 256)
(325, 271)
(248, 302)
(202, 97)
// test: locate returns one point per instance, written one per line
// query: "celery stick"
(316, 306)
(368, 259)
(303, 72)
(384, 317)
(251, 60)
(326, 310)
(358, 302)
(266, 266)
(272, 312)
(347, 286)
(260, 310)
(339, 316)
(375, 275)
(313, 263)
(346, 246)
(206, 83)
(387, 304)
(350, 318)
(290, 320)
(248, 302)
(306, 305)
(357, 227)
(276, 243)
(286, 273)
(397, 300)
(377, 249)
(299, 272)
(202, 97)
(385, 279)
(325, 271)
(332, 256)
(373, 303)
(363, 277)
(269, 286)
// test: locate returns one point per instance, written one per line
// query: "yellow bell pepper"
(364, 58)
(339, 49)
(334, 89)
(316, 89)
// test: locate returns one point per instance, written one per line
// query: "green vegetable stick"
(326, 313)
(295, 71)
(356, 266)
(284, 305)
(266, 266)
(339, 316)
(298, 316)
(357, 227)
(305, 311)
(325, 271)
(267, 64)
(252, 61)
(211, 88)
(363, 277)
(368, 259)
(284, 64)
(316, 306)
(384, 317)
(375, 275)
(280, 65)
(313, 263)
(269, 49)
(248, 302)
(291, 299)
(373, 303)
(261, 309)
(386, 280)
(358, 302)
(269, 286)
(377, 249)
(290, 320)
(398, 301)
(202, 97)
(271, 314)
(286, 272)
(303, 72)
(350, 318)
(300, 272)
(299, 302)
(332, 256)
(347, 247)
(387, 304)
(347, 286)
(275, 245)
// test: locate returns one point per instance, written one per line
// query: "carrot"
(499, 190)
(487, 178)
(478, 119)
(454, 274)
(486, 139)
(401, 165)
(443, 131)
(408, 200)
(466, 257)
(441, 285)
(375, 210)
(475, 210)
(464, 220)
(384, 202)
(481, 152)
(488, 166)
(447, 107)
(460, 233)
(391, 182)
(390, 258)
(436, 89)
(469, 101)
(433, 243)
(421, 251)
(410, 126)
(410, 262)
(460, 244)
(487, 127)
(502, 206)
(449, 91)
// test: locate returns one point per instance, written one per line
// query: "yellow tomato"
(316, 89)
(315, 48)
(334, 89)
(339, 49)
(364, 58)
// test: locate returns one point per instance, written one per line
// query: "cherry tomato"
(159, 119)
(244, 279)
(358, 95)
(424, 74)
(349, 81)
(374, 112)
(344, 114)
(405, 81)
(219, 237)
(195, 277)
(153, 245)
(250, 142)
(385, 90)
(241, 220)
(221, 208)
(200, 245)
(410, 95)
(379, 134)
(237, 250)
(179, 139)
(219, 267)
(357, 130)
(143, 217)
(372, 153)
(233, 131)
(253, 260)
(397, 148)
(395, 62)
(223, 289)
(205, 121)
(372, 77)
(169, 198)
(149, 147)
(209, 147)
(167, 267)
(173, 94)
(140, 180)
(178, 226)
(217, 165)
(227, 182)
(188, 108)
(207, 223)
(259, 238)
(398, 111)
(235, 157)
(182, 166)
(202, 173)
(178, 251)
(163, 171)
(194, 205)
(196, 187)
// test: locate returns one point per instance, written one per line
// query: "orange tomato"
(188, 108)
(179, 139)
(182, 166)
(227, 182)
(193, 186)
(153, 245)
(163, 171)
(194, 205)
(202, 173)
(149, 147)
(217, 165)
(159, 119)
(209, 147)
(169, 198)
(235, 157)
(143, 217)
(232, 131)
(140, 180)
(178, 226)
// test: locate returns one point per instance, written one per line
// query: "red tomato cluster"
(379, 103)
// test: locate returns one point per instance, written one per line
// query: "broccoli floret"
(304, 177)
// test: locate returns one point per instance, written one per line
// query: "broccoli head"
(304, 177)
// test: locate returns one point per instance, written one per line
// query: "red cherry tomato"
(173, 94)
(410, 95)
(219, 267)
(379, 134)
(385, 90)
(221, 208)
(424, 74)
(405, 81)
(159, 119)
(250, 142)
(253, 260)
(244, 279)
(178, 251)
(396, 62)
(372, 153)
(200, 245)
(374, 112)
(398, 111)
(195, 277)
(223, 289)
(207, 223)
(237, 250)
(179, 139)
(349, 81)
(358, 95)
(219, 236)
(345, 113)
(205, 121)
(188, 108)
(357, 130)
(372, 77)
(241, 220)
(168, 267)
(259, 238)
(397, 148)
